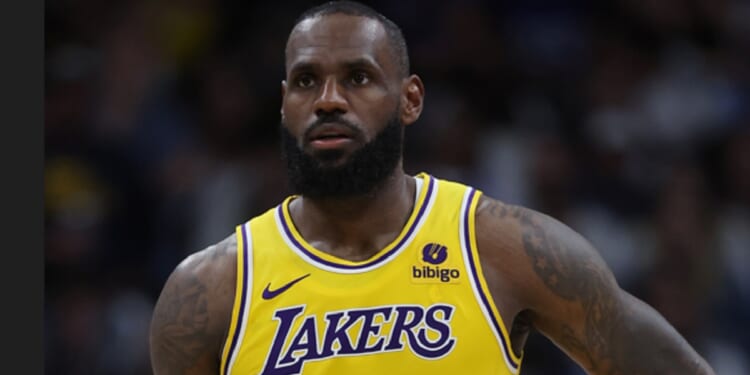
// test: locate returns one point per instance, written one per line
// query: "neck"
(355, 228)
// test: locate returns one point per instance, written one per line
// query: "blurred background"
(627, 120)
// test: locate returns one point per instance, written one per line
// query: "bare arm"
(192, 314)
(569, 294)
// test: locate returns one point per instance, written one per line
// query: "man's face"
(341, 93)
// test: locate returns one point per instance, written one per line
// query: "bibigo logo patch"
(431, 267)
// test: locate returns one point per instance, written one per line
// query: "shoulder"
(534, 252)
(193, 312)
(501, 229)
(520, 231)
(214, 265)
(211, 272)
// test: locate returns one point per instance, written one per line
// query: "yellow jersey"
(418, 306)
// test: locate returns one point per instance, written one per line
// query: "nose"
(331, 99)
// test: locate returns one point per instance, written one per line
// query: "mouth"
(330, 142)
(330, 136)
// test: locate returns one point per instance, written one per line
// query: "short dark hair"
(395, 36)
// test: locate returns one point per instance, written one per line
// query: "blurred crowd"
(627, 120)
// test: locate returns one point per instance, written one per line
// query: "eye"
(360, 78)
(304, 81)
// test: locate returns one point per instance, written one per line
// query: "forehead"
(338, 36)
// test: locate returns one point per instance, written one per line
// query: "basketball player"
(367, 270)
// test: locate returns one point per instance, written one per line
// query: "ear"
(283, 94)
(412, 99)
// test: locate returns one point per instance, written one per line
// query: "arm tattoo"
(182, 334)
(182, 322)
(617, 334)
(556, 265)
(561, 270)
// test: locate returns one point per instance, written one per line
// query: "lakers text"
(425, 331)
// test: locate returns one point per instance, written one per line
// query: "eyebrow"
(303, 66)
(360, 62)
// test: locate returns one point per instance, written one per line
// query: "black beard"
(362, 173)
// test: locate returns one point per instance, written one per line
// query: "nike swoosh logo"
(268, 293)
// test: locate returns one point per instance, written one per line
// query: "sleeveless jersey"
(418, 306)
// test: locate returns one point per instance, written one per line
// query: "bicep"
(184, 339)
(577, 303)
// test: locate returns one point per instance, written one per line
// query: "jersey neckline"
(325, 261)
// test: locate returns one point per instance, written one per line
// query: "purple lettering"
(305, 340)
(368, 328)
(413, 321)
(403, 324)
(445, 341)
(285, 318)
(334, 333)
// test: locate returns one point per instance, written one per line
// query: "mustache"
(332, 117)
